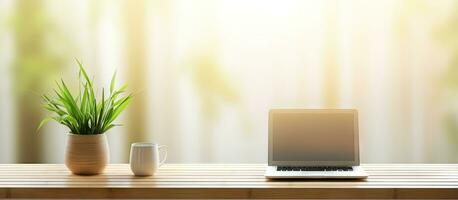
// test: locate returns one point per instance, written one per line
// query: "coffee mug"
(144, 158)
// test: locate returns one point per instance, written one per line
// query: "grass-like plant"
(83, 114)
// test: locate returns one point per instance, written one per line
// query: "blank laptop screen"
(313, 136)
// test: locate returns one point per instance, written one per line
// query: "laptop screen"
(313, 136)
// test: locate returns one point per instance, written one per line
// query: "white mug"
(144, 158)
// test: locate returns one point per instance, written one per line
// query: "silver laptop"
(314, 143)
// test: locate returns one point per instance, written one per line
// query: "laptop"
(314, 143)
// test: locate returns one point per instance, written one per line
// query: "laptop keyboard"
(314, 168)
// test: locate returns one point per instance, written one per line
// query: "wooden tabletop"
(236, 181)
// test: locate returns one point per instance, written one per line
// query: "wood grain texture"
(3, 193)
(235, 181)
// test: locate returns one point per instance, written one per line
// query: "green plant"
(84, 114)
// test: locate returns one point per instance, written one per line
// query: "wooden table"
(236, 181)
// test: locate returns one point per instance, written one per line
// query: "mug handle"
(161, 148)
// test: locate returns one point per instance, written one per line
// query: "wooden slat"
(234, 193)
(438, 193)
(205, 179)
(234, 166)
(3, 193)
(235, 184)
(319, 193)
(226, 181)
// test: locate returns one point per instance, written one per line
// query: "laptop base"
(356, 173)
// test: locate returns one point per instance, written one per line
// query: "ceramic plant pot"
(86, 154)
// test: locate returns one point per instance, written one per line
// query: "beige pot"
(87, 154)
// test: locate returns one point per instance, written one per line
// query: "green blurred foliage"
(215, 88)
(448, 35)
(39, 52)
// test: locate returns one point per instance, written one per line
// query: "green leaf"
(86, 77)
(43, 122)
(112, 84)
(120, 108)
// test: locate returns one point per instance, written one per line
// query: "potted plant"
(88, 118)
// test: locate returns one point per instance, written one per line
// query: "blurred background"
(206, 73)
